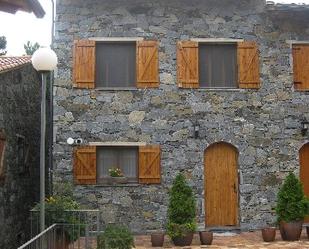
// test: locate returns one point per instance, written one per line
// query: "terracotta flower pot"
(269, 234)
(206, 237)
(183, 241)
(157, 239)
(291, 231)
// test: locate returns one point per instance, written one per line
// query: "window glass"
(218, 65)
(125, 158)
(116, 64)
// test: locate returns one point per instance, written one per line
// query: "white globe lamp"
(44, 59)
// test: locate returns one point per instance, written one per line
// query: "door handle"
(235, 189)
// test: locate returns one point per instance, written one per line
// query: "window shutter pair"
(188, 64)
(149, 165)
(147, 64)
(301, 66)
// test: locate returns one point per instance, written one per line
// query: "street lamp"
(44, 60)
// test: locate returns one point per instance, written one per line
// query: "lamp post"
(44, 60)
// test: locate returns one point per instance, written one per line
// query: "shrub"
(292, 205)
(182, 209)
(55, 212)
(115, 237)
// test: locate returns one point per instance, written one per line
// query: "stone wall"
(20, 120)
(263, 124)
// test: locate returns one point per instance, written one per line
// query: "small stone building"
(19, 148)
(217, 90)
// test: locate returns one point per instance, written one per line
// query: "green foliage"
(182, 208)
(31, 48)
(63, 189)
(115, 172)
(55, 212)
(3, 44)
(115, 237)
(180, 230)
(292, 205)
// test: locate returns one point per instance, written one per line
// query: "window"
(139, 164)
(301, 66)
(217, 64)
(125, 158)
(115, 64)
(2, 151)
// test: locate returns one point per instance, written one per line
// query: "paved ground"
(245, 240)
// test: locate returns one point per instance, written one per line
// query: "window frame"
(107, 179)
(85, 165)
(236, 66)
(293, 43)
(84, 63)
(219, 41)
(134, 42)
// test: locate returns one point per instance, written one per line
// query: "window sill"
(117, 185)
(301, 90)
(205, 89)
(117, 89)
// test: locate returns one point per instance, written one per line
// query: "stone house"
(19, 148)
(217, 90)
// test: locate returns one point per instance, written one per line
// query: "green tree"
(182, 208)
(31, 48)
(3, 44)
(292, 205)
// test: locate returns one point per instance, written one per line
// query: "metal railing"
(59, 236)
(80, 234)
(44, 240)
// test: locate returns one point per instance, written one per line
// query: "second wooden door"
(221, 185)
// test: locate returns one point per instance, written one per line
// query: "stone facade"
(263, 124)
(20, 121)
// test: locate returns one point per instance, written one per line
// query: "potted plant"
(115, 237)
(117, 177)
(181, 223)
(56, 212)
(206, 237)
(157, 239)
(292, 207)
(269, 233)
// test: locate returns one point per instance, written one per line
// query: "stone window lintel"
(116, 39)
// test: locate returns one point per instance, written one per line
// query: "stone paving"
(252, 240)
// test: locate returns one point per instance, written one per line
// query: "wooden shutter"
(149, 164)
(85, 165)
(248, 65)
(301, 66)
(187, 64)
(84, 64)
(147, 64)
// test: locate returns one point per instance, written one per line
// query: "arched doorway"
(221, 185)
(304, 169)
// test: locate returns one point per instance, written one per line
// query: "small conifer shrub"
(182, 209)
(292, 205)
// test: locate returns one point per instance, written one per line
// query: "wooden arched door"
(221, 185)
(304, 169)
